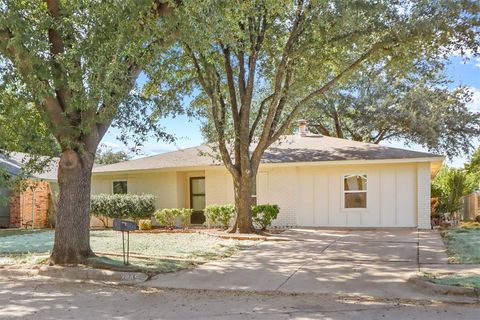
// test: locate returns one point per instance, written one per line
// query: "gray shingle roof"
(14, 161)
(312, 148)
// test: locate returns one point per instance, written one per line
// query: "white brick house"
(316, 180)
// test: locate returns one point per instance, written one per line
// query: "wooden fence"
(471, 206)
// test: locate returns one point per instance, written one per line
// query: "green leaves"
(122, 206)
(219, 215)
(78, 61)
(106, 155)
(264, 214)
(386, 103)
(449, 185)
(21, 127)
(167, 217)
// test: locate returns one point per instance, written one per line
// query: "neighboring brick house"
(34, 205)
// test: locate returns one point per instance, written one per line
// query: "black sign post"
(125, 226)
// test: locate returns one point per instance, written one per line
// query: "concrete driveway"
(359, 262)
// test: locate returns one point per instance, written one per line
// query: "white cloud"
(113, 145)
(477, 62)
(474, 105)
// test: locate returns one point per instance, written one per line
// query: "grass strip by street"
(463, 247)
(466, 281)
(463, 243)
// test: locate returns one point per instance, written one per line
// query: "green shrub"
(166, 217)
(121, 206)
(219, 215)
(264, 214)
(186, 214)
(145, 224)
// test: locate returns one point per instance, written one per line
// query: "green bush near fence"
(219, 215)
(166, 217)
(122, 206)
(264, 214)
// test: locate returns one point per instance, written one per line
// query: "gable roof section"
(14, 161)
(289, 149)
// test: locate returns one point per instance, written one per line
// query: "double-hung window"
(355, 191)
(120, 187)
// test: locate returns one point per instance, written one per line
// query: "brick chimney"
(302, 128)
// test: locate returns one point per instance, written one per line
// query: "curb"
(244, 237)
(78, 274)
(233, 236)
(421, 283)
(10, 272)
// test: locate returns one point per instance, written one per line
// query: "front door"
(197, 199)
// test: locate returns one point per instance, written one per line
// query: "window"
(355, 191)
(120, 187)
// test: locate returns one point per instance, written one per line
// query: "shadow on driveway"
(350, 262)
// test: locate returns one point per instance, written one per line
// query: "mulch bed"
(220, 233)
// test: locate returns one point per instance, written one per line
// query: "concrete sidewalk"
(367, 263)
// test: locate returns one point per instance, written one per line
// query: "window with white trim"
(119, 187)
(355, 191)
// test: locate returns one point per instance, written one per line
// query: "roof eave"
(435, 159)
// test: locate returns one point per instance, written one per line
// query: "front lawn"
(463, 242)
(467, 281)
(161, 252)
(463, 247)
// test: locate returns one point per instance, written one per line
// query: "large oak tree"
(252, 66)
(77, 62)
(418, 107)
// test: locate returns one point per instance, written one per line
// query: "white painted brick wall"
(423, 196)
(279, 186)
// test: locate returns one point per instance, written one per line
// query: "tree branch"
(57, 47)
(212, 90)
(231, 87)
(338, 126)
(321, 128)
(279, 83)
(259, 116)
(324, 89)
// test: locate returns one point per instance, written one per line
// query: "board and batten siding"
(398, 195)
(391, 196)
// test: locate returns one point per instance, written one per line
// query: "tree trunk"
(243, 204)
(72, 229)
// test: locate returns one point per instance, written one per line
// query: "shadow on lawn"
(16, 232)
(150, 266)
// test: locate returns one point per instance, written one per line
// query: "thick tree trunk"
(243, 204)
(72, 228)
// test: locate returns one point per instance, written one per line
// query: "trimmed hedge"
(121, 206)
(264, 214)
(166, 217)
(219, 215)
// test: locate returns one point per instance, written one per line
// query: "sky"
(460, 71)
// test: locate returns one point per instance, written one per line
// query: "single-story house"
(316, 180)
(34, 205)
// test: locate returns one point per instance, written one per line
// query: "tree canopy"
(383, 104)
(76, 63)
(106, 155)
(252, 67)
